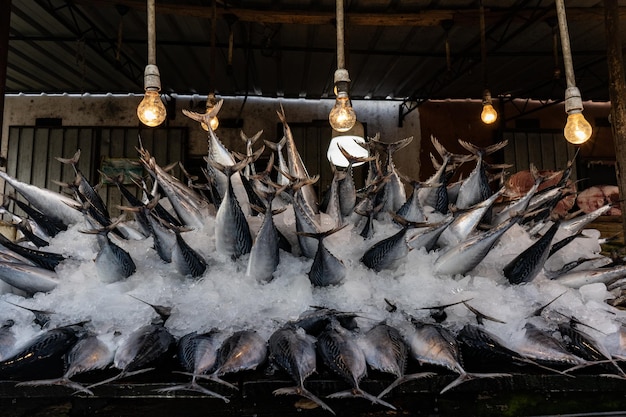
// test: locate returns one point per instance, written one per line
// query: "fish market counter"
(516, 395)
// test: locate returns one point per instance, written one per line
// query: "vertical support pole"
(617, 94)
(5, 21)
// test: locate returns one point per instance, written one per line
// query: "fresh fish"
(190, 208)
(395, 195)
(585, 346)
(466, 221)
(435, 345)
(476, 188)
(47, 260)
(220, 155)
(139, 215)
(54, 205)
(294, 351)
(412, 209)
(326, 269)
(140, 349)
(333, 209)
(389, 252)
(541, 347)
(578, 223)
(316, 320)
(29, 235)
(465, 256)
(386, 351)
(152, 199)
(242, 351)
(427, 238)
(347, 189)
(520, 204)
(341, 353)
(197, 354)
(576, 279)
(7, 340)
(50, 227)
(296, 166)
(88, 354)
(525, 266)
(86, 193)
(186, 259)
(50, 344)
(282, 165)
(435, 194)
(305, 219)
(264, 255)
(232, 233)
(112, 262)
(249, 141)
(28, 278)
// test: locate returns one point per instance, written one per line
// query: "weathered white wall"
(257, 113)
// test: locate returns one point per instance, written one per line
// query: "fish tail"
(194, 386)
(303, 392)
(56, 381)
(73, 160)
(217, 379)
(354, 159)
(359, 393)
(404, 379)
(464, 377)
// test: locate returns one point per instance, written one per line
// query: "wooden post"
(617, 94)
(5, 20)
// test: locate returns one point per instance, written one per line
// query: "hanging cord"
(447, 25)
(151, 32)
(565, 46)
(341, 63)
(213, 54)
(555, 51)
(483, 44)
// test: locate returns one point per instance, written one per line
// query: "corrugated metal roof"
(395, 49)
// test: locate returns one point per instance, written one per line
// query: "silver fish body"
(28, 278)
(576, 279)
(187, 260)
(142, 347)
(385, 350)
(243, 350)
(540, 346)
(112, 262)
(232, 233)
(7, 339)
(265, 253)
(387, 253)
(465, 256)
(53, 205)
(525, 266)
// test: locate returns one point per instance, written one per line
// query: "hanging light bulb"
(489, 114)
(577, 129)
(151, 110)
(211, 101)
(342, 116)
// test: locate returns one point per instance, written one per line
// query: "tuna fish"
(244, 350)
(88, 354)
(294, 351)
(341, 353)
(326, 269)
(47, 260)
(112, 262)
(28, 278)
(54, 205)
(525, 266)
(49, 345)
(232, 233)
(386, 351)
(389, 252)
(282, 165)
(49, 227)
(476, 188)
(197, 353)
(465, 256)
(576, 279)
(7, 339)
(434, 194)
(541, 347)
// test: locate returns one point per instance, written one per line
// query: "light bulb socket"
(152, 78)
(573, 100)
(341, 75)
(211, 101)
(487, 97)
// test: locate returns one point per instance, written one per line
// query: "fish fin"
(252, 139)
(359, 393)
(217, 379)
(303, 392)
(354, 159)
(481, 316)
(403, 379)
(73, 160)
(193, 386)
(121, 375)
(57, 381)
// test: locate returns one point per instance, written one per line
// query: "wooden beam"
(426, 18)
(5, 20)
(617, 94)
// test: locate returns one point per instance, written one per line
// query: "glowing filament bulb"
(489, 114)
(577, 129)
(151, 111)
(342, 117)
